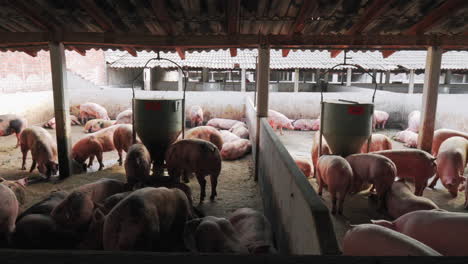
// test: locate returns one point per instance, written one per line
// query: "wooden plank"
(131, 51)
(98, 15)
(162, 16)
(232, 17)
(308, 8)
(181, 53)
(233, 52)
(33, 13)
(374, 10)
(82, 52)
(335, 53)
(61, 107)
(430, 94)
(29, 52)
(387, 53)
(285, 52)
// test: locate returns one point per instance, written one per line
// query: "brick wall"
(21, 72)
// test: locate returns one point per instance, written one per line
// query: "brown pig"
(43, 150)
(440, 135)
(451, 163)
(138, 165)
(8, 211)
(10, 124)
(236, 149)
(222, 123)
(304, 165)
(148, 219)
(375, 169)
(207, 133)
(254, 230)
(196, 116)
(213, 235)
(18, 187)
(76, 210)
(412, 164)
(240, 130)
(93, 237)
(97, 124)
(228, 136)
(401, 200)
(197, 156)
(123, 139)
(335, 173)
(445, 232)
(94, 145)
(315, 150)
(378, 142)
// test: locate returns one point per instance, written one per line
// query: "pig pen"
(359, 209)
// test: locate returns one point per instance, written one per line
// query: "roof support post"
(411, 82)
(448, 77)
(349, 73)
(374, 73)
(205, 77)
(317, 75)
(180, 81)
(430, 93)
(296, 80)
(243, 84)
(464, 78)
(61, 107)
(387, 77)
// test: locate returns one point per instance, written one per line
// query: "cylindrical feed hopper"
(158, 123)
(346, 125)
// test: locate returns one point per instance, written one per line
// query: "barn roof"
(136, 25)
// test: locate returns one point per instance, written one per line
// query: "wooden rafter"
(307, 10)
(131, 51)
(181, 53)
(334, 53)
(29, 52)
(233, 52)
(285, 52)
(162, 16)
(78, 50)
(387, 53)
(232, 17)
(97, 14)
(375, 9)
(32, 13)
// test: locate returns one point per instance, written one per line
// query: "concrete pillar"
(180, 81)
(374, 73)
(411, 82)
(317, 76)
(204, 75)
(61, 107)
(334, 77)
(387, 77)
(464, 78)
(296, 80)
(448, 77)
(349, 73)
(381, 77)
(243, 88)
(430, 93)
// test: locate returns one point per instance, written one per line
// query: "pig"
(148, 219)
(196, 116)
(466, 196)
(408, 137)
(412, 164)
(137, 165)
(378, 142)
(241, 130)
(222, 123)
(278, 120)
(97, 124)
(451, 163)
(8, 212)
(304, 165)
(76, 210)
(236, 149)
(254, 230)
(92, 239)
(380, 241)
(123, 139)
(51, 123)
(10, 124)
(379, 119)
(413, 121)
(195, 156)
(92, 110)
(207, 133)
(335, 173)
(94, 145)
(375, 169)
(18, 187)
(46, 205)
(228, 136)
(315, 150)
(213, 235)
(306, 124)
(125, 117)
(111, 201)
(445, 232)
(400, 200)
(43, 150)
(440, 135)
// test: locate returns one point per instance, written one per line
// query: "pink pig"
(413, 121)
(222, 123)
(43, 150)
(304, 165)
(278, 120)
(240, 129)
(123, 139)
(378, 142)
(95, 125)
(196, 116)
(315, 150)
(73, 121)
(306, 124)
(380, 118)
(408, 137)
(8, 212)
(440, 135)
(124, 117)
(10, 124)
(92, 110)
(206, 133)
(228, 136)
(236, 149)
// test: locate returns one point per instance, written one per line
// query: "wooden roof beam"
(233, 52)
(375, 9)
(307, 10)
(387, 53)
(232, 17)
(181, 53)
(29, 52)
(335, 53)
(98, 15)
(33, 13)
(162, 16)
(285, 52)
(78, 50)
(131, 51)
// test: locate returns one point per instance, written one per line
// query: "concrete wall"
(36, 107)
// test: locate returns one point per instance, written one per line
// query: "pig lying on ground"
(413, 164)
(413, 121)
(196, 116)
(18, 187)
(378, 142)
(335, 173)
(46, 205)
(379, 241)
(138, 166)
(97, 124)
(222, 123)
(375, 169)
(315, 150)
(73, 121)
(10, 124)
(76, 210)
(400, 200)
(240, 130)
(228, 136)
(254, 230)
(124, 117)
(189, 156)
(236, 149)
(278, 120)
(43, 150)
(206, 133)
(379, 119)
(445, 232)
(408, 137)
(305, 166)
(92, 111)
(451, 163)
(306, 124)
(123, 139)
(8, 211)
(440, 135)
(212, 235)
(148, 219)
(94, 145)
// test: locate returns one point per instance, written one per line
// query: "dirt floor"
(359, 209)
(236, 185)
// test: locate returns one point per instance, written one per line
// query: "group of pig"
(409, 136)
(108, 214)
(279, 121)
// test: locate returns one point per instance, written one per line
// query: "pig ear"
(384, 223)
(189, 232)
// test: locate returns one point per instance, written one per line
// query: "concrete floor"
(359, 209)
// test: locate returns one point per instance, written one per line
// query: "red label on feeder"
(355, 110)
(153, 106)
